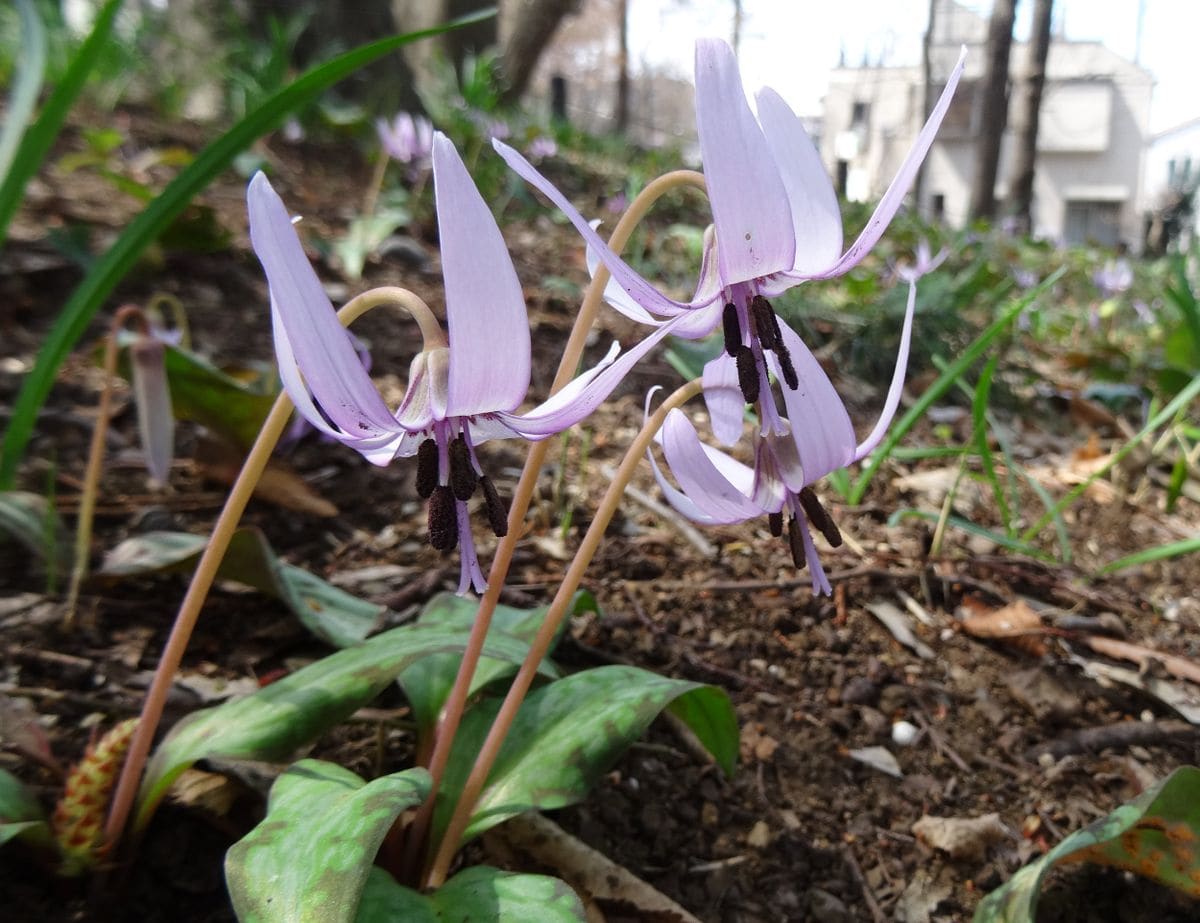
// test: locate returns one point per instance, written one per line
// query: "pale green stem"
(452, 711)
(540, 645)
(214, 551)
(95, 463)
(371, 199)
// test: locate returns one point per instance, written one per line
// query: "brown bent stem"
(210, 560)
(95, 463)
(452, 711)
(545, 636)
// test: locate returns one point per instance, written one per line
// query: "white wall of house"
(1173, 167)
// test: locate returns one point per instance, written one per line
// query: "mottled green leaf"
(427, 684)
(273, 722)
(29, 519)
(1156, 835)
(333, 615)
(474, 895)
(309, 858)
(571, 731)
(20, 813)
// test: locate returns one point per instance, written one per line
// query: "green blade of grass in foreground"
(31, 70)
(1149, 555)
(110, 268)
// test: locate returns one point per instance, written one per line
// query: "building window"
(1093, 222)
(859, 115)
(937, 207)
(843, 174)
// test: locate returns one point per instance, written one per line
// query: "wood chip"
(895, 621)
(962, 838)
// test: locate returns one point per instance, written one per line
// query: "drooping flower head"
(407, 138)
(464, 386)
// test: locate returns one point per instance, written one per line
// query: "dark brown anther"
(443, 519)
(785, 366)
(775, 522)
(427, 468)
(497, 509)
(765, 323)
(796, 543)
(733, 330)
(820, 518)
(463, 478)
(747, 372)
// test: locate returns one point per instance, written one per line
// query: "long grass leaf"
(1004, 541)
(1158, 553)
(107, 271)
(31, 70)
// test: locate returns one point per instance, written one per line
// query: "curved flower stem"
(452, 711)
(545, 636)
(214, 551)
(95, 463)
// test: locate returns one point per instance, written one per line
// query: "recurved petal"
(638, 288)
(485, 308)
(723, 397)
(816, 217)
(821, 428)
(892, 401)
(749, 199)
(707, 485)
(320, 345)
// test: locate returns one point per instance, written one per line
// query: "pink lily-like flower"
(463, 389)
(407, 138)
(776, 223)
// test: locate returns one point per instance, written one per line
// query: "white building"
(1091, 139)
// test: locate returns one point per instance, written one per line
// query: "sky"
(792, 45)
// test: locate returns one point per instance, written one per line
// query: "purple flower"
(463, 388)
(407, 138)
(1115, 277)
(542, 147)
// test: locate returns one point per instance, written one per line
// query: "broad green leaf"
(273, 722)
(309, 858)
(20, 813)
(427, 684)
(107, 271)
(31, 70)
(476, 894)
(333, 615)
(1156, 835)
(30, 520)
(571, 731)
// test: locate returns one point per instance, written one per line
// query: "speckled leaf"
(571, 731)
(478, 894)
(273, 722)
(309, 858)
(427, 684)
(333, 615)
(1156, 835)
(20, 813)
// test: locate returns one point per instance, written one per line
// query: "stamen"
(733, 330)
(497, 509)
(785, 366)
(796, 543)
(443, 521)
(427, 468)
(765, 323)
(463, 478)
(747, 371)
(819, 517)
(775, 522)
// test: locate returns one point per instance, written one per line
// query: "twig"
(868, 894)
(685, 528)
(1123, 734)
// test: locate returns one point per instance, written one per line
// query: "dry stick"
(95, 464)
(214, 551)
(545, 636)
(452, 711)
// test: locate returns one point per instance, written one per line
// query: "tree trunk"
(622, 108)
(927, 94)
(1025, 161)
(533, 26)
(994, 111)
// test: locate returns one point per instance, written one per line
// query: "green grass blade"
(1158, 553)
(38, 140)
(1004, 541)
(1181, 400)
(979, 414)
(31, 70)
(943, 384)
(107, 271)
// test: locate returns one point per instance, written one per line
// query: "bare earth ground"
(802, 831)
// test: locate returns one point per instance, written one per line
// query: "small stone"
(860, 691)
(904, 733)
(759, 836)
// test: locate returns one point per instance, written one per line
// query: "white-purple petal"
(892, 401)
(724, 399)
(703, 482)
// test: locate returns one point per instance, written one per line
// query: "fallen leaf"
(279, 484)
(895, 621)
(1015, 623)
(878, 758)
(962, 838)
(1179, 667)
(921, 897)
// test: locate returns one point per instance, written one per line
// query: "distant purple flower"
(616, 204)
(1115, 277)
(542, 147)
(462, 389)
(407, 138)
(1025, 278)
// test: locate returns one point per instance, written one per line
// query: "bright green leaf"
(309, 858)
(569, 732)
(1156, 835)
(478, 893)
(333, 615)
